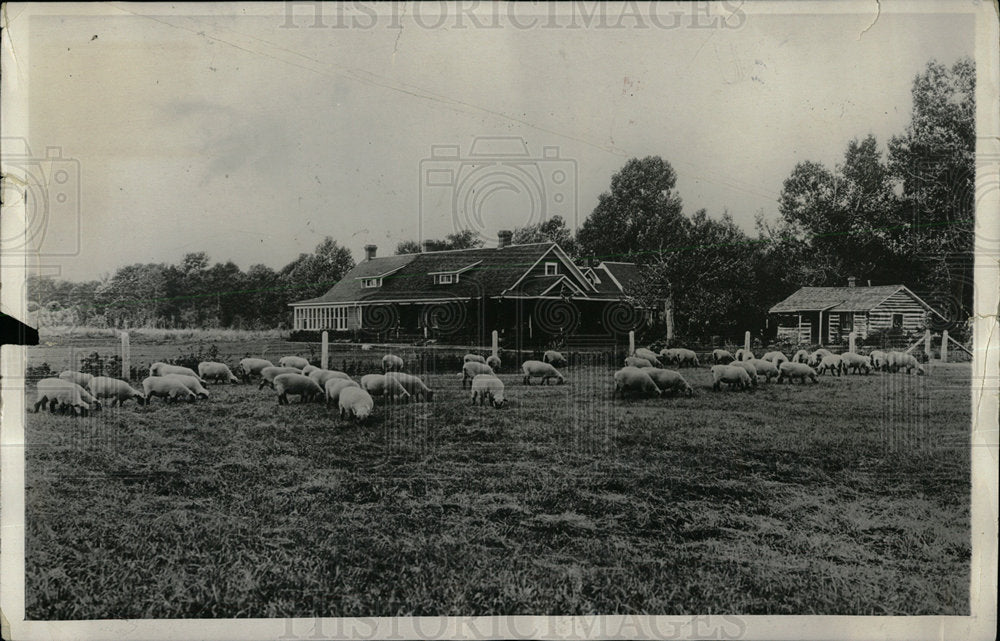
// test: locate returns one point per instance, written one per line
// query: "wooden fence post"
(944, 346)
(126, 357)
(852, 340)
(927, 344)
(631, 342)
(746, 341)
(496, 342)
(325, 350)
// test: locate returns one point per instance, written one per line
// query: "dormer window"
(447, 279)
(551, 269)
(371, 282)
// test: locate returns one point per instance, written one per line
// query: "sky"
(252, 137)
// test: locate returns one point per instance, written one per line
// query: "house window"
(897, 320)
(447, 279)
(551, 269)
(371, 282)
(339, 318)
(847, 322)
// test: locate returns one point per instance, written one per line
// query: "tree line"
(903, 215)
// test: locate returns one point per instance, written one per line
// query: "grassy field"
(848, 497)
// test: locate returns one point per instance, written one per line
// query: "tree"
(639, 216)
(465, 239)
(407, 247)
(553, 230)
(311, 275)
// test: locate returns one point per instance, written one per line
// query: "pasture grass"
(847, 497)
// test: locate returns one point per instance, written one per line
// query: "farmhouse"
(532, 291)
(829, 314)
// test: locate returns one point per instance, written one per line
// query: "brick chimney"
(851, 281)
(370, 251)
(425, 246)
(504, 237)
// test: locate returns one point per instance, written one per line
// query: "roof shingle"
(837, 299)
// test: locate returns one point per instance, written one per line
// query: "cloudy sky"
(253, 136)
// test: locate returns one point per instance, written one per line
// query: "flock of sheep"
(644, 374)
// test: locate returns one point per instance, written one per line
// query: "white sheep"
(775, 357)
(743, 355)
(767, 369)
(722, 357)
(649, 355)
(669, 356)
(880, 360)
(902, 360)
(381, 385)
(494, 362)
(80, 378)
(416, 388)
(554, 358)
(193, 383)
(268, 374)
(297, 362)
(473, 357)
(321, 376)
(333, 388)
(637, 362)
(750, 370)
(801, 356)
(391, 362)
(211, 371)
(162, 369)
(252, 367)
(635, 381)
(487, 386)
(795, 370)
(309, 369)
(56, 393)
(117, 390)
(167, 388)
(686, 357)
(833, 364)
(817, 357)
(297, 385)
(856, 363)
(471, 369)
(355, 402)
(538, 369)
(669, 381)
(730, 375)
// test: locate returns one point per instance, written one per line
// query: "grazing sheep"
(880, 360)
(250, 367)
(117, 390)
(193, 383)
(767, 369)
(777, 358)
(392, 363)
(743, 355)
(794, 370)
(686, 357)
(488, 386)
(649, 355)
(897, 360)
(333, 388)
(268, 374)
(722, 357)
(163, 369)
(167, 388)
(730, 375)
(669, 356)
(56, 393)
(669, 381)
(473, 357)
(211, 371)
(494, 363)
(635, 381)
(750, 369)
(817, 357)
(538, 369)
(801, 356)
(81, 379)
(321, 376)
(309, 369)
(471, 369)
(298, 385)
(417, 389)
(382, 385)
(554, 358)
(833, 364)
(856, 363)
(636, 361)
(355, 402)
(297, 362)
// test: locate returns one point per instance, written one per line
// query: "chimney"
(425, 246)
(851, 280)
(370, 251)
(504, 237)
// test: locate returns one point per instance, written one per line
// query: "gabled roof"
(841, 299)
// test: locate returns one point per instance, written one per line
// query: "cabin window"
(371, 282)
(897, 320)
(551, 269)
(447, 279)
(847, 322)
